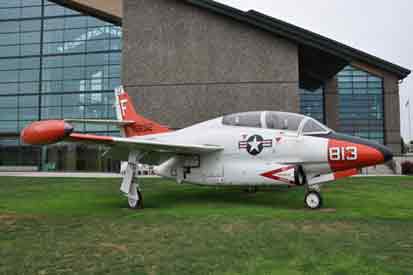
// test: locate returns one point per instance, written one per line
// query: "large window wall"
(361, 111)
(360, 107)
(55, 63)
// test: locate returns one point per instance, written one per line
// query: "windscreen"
(312, 126)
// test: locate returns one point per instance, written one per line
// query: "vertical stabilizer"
(126, 111)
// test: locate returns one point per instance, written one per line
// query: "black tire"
(136, 204)
(313, 200)
(300, 177)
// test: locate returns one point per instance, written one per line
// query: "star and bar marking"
(255, 144)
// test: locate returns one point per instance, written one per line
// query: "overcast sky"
(381, 28)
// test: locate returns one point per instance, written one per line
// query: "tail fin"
(126, 111)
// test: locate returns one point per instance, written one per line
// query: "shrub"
(407, 168)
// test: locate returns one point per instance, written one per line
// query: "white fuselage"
(245, 157)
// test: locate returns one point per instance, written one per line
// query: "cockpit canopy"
(277, 121)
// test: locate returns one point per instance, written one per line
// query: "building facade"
(55, 63)
(184, 61)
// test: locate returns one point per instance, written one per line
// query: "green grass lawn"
(82, 226)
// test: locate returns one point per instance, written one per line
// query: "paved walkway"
(62, 175)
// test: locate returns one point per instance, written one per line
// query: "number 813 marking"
(343, 153)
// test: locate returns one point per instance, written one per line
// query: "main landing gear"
(130, 183)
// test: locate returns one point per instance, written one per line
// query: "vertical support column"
(331, 100)
(392, 136)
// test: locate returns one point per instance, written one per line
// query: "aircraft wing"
(144, 145)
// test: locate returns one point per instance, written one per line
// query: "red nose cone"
(45, 132)
(344, 155)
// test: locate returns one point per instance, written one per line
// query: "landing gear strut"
(130, 183)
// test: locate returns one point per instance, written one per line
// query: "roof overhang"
(320, 57)
(108, 10)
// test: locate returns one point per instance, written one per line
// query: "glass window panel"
(53, 48)
(32, 2)
(52, 86)
(28, 113)
(29, 87)
(8, 101)
(9, 38)
(55, 23)
(8, 114)
(74, 46)
(74, 73)
(75, 35)
(113, 83)
(375, 84)
(115, 44)
(9, 76)
(92, 21)
(73, 99)
(115, 32)
(73, 112)
(71, 12)
(76, 22)
(74, 60)
(98, 45)
(51, 113)
(8, 88)
(10, 64)
(30, 49)
(30, 37)
(96, 111)
(6, 51)
(52, 100)
(115, 71)
(115, 58)
(94, 71)
(54, 10)
(53, 61)
(28, 101)
(73, 86)
(11, 26)
(9, 13)
(27, 12)
(29, 75)
(8, 126)
(96, 59)
(30, 63)
(30, 25)
(53, 74)
(9, 3)
(53, 36)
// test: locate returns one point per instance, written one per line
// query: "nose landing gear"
(313, 200)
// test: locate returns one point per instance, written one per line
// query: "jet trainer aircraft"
(250, 149)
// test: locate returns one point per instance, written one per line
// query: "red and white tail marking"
(126, 111)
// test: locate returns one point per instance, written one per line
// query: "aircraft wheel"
(313, 200)
(135, 203)
(300, 178)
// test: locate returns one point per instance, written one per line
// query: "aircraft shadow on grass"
(224, 197)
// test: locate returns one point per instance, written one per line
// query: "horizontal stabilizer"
(102, 121)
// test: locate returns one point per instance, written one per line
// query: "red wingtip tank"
(46, 132)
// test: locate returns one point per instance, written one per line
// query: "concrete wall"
(182, 64)
(331, 101)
